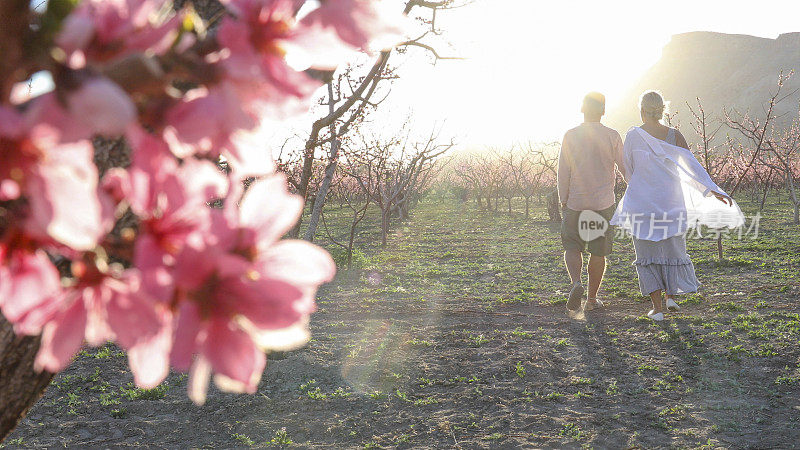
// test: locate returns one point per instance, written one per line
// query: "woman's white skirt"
(664, 265)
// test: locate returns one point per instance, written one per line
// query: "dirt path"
(456, 336)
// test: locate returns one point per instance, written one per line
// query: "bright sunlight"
(528, 63)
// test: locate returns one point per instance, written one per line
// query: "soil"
(456, 336)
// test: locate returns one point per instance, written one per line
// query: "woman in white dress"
(668, 192)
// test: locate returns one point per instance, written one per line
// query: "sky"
(528, 63)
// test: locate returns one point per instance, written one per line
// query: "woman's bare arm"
(680, 141)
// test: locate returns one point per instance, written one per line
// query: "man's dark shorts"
(571, 238)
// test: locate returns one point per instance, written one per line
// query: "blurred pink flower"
(58, 180)
(171, 203)
(101, 106)
(102, 306)
(213, 123)
(77, 31)
(236, 292)
(364, 24)
(204, 122)
(255, 48)
(28, 280)
(99, 30)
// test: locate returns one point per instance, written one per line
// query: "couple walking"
(668, 193)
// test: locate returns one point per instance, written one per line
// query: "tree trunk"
(330, 170)
(509, 206)
(20, 385)
(384, 226)
(313, 140)
(797, 213)
(793, 196)
(553, 208)
(527, 207)
(302, 188)
(319, 200)
(764, 198)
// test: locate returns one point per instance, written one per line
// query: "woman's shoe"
(596, 304)
(658, 317)
(672, 306)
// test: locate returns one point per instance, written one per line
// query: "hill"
(723, 70)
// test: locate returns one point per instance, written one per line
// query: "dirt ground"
(456, 336)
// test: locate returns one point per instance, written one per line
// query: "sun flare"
(528, 64)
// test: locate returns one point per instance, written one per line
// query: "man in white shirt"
(589, 155)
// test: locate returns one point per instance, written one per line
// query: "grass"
(461, 319)
(156, 393)
(520, 370)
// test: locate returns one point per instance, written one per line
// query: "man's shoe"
(575, 297)
(658, 317)
(596, 304)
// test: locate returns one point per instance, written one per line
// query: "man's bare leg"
(596, 269)
(573, 259)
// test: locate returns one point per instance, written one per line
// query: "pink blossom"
(364, 24)
(245, 292)
(27, 280)
(213, 123)
(205, 121)
(101, 106)
(266, 213)
(251, 158)
(170, 201)
(254, 53)
(103, 305)
(209, 291)
(214, 291)
(149, 357)
(77, 31)
(99, 30)
(58, 180)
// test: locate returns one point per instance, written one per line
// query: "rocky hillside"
(724, 70)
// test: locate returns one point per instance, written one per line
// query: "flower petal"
(233, 355)
(30, 282)
(149, 358)
(268, 208)
(199, 376)
(297, 262)
(61, 339)
(187, 330)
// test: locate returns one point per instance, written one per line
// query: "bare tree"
(547, 162)
(393, 169)
(354, 103)
(784, 149)
(756, 132)
(336, 131)
(349, 193)
(702, 126)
